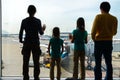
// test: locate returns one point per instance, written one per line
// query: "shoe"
(36, 79)
(25, 78)
(71, 78)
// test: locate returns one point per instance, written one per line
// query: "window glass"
(63, 14)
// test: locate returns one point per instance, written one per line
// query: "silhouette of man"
(32, 27)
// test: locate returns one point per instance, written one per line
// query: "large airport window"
(63, 14)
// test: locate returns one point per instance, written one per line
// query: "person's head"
(56, 32)
(31, 10)
(81, 23)
(105, 6)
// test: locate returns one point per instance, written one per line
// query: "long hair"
(56, 32)
(81, 23)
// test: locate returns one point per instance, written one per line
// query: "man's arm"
(21, 33)
(40, 28)
(115, 26)
(94, 28)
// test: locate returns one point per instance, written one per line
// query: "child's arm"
(49, 48)
(62, 48)
(86, 40)
(71, 38)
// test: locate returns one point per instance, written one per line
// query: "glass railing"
(12, 59)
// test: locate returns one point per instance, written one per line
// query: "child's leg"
(58, 68)
(82, 65)
(75, 69)
(52, 64)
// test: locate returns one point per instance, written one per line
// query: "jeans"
(103, 48)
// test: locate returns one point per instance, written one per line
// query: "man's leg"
(26, 57)
(97, 69)
(36, 57)
(108, 60)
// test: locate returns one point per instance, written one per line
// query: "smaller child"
(56, 47)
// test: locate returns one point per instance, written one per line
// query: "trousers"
(26, 52)
(103, 48)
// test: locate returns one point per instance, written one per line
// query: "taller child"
(79, 39)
